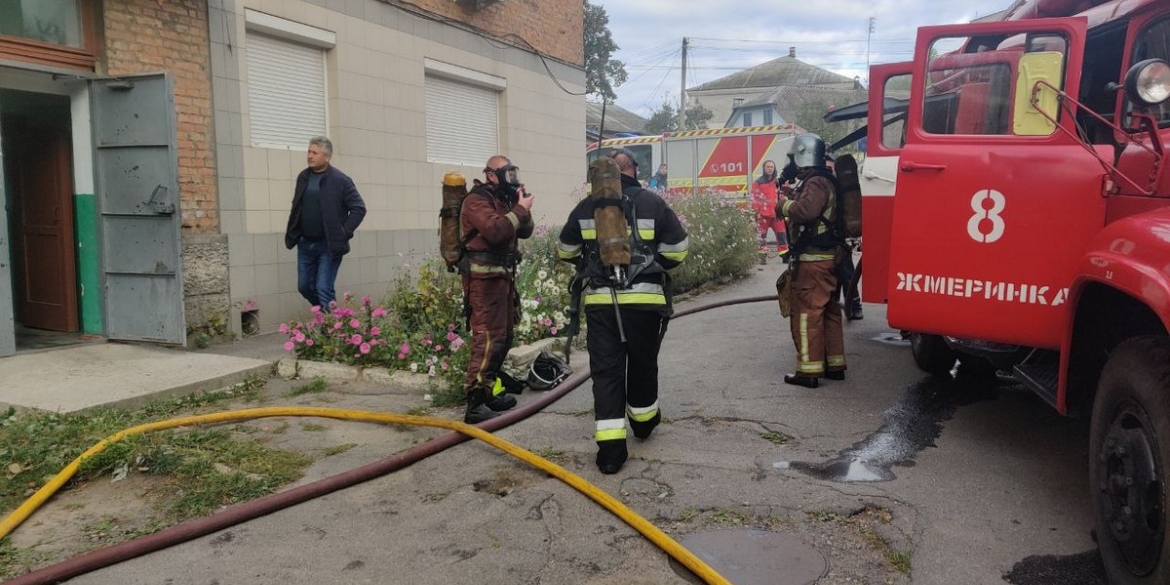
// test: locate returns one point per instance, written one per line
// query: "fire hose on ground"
(196, 528)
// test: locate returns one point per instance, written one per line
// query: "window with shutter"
(286, 92)
(462, 122)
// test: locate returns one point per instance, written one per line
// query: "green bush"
(419, 326)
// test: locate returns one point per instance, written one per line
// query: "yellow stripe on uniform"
(642, 414)
(611, 430)
(626, 299)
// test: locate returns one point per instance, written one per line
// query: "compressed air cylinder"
(454, 191)
(613, 234)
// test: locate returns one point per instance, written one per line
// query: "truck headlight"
(1148, 82)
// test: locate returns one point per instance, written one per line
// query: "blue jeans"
(316, 272)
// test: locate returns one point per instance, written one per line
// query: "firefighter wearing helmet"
(810, 209)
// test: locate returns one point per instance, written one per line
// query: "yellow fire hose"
(659, 538)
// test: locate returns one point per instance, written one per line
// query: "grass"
(313, 428)
(864, 520)
(419, 411)
(337, 449)
(196, 470)
(317, 386)
(775, 437)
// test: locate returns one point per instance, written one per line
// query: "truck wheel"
(1129, 454)
(932, 354)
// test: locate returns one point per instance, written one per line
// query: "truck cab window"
(1154, 43)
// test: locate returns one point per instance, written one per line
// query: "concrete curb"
(209, 385)
(398, 381)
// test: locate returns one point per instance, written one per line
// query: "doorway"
(36, 130)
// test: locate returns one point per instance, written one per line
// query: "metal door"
(136, 164)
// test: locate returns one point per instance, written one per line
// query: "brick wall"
(554, 27)
(171, 35)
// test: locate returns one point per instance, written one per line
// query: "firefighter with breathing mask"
(494, 216)
(816, 248)
(623, 239)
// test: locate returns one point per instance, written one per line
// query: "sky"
(731, 35)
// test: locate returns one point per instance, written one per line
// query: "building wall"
(722, 101)
(543, 23)
(148, 36)
(377, 121)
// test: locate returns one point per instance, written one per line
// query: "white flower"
(414, 367)
(542, 274)
(431, 372)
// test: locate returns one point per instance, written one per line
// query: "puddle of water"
(910, 426)
(1080, 569)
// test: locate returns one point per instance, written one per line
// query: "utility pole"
(682, 102)
(868, 36)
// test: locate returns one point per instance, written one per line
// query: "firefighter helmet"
(808, 150)
(547, 371)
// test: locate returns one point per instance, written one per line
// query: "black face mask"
(508, 177)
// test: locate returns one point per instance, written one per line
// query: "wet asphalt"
(983, 481)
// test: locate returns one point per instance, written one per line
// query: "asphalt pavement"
(967, 479)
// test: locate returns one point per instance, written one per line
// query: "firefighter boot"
(835, 375)
(801, 380)
(642, 430)
(477, 409)
(611, 455)
(497, 399)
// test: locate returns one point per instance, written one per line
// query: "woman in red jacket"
(764, 202)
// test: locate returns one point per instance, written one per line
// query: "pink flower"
(458, 343)
(375, 331)
(404, 349)
(438, 348)
(427, 340)
(318, 318)
(379, 312)
(299, 336)
(365, 348)
(366, 300)
(337, 325)
(401, 356)
(450, 335)
(553, 330)
(316, 309)
(355, 323)
(283, 328)
(348, 296)
(356, 339)
(289, 346)
(309, 342)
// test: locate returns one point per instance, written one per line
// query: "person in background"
(326, 211)
(658, 182)
(764, 195)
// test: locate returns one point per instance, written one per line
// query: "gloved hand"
(788, 173)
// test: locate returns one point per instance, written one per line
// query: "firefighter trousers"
(816, 319)
(493, 318)
(625, 376)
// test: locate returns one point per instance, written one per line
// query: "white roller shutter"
(286, 92)
(462, 122)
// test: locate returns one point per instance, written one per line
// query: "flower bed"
(419, 326)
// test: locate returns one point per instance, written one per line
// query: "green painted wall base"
(88, 263)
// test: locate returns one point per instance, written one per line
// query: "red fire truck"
(726, 159)
(1017, 216)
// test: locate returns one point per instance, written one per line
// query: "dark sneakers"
(642, 430)
(611, 455)
(801, 380)
(501, 403)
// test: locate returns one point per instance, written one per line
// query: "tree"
(602, 74)
(811, 117)
(665, 118)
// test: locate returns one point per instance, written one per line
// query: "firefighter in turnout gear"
(494, 215)
(817, 247)
(626, 307)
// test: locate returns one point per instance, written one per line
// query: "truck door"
(996, 200)
(889, 98)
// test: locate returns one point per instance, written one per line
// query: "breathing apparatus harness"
(506, 190)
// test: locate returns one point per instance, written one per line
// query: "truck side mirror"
(1037, 106)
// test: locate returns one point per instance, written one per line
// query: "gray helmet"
(808, 150)
(547, 371)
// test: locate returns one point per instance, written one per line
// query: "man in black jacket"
(326, 210)
(623, 351)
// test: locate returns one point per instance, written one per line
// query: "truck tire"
(1129, 455)
(932, 354)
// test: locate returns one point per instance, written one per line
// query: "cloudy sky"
(731, 35)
